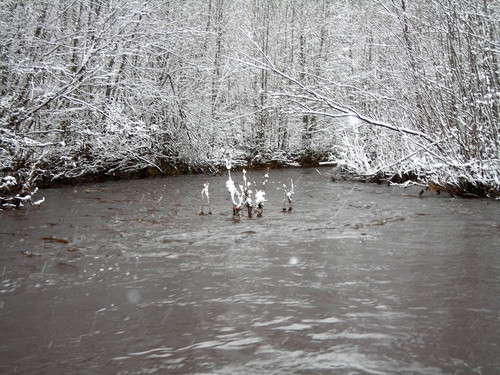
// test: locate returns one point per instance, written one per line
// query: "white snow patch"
(272, 322)
(238, 344)
(322, 321)
(150, 351)
(294, 327)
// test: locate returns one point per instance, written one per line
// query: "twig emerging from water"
(205, 194)
(236, 197)
(288, 200)
(176, 203)
(247, 194)
(260, 195)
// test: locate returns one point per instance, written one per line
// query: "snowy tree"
(388, 89)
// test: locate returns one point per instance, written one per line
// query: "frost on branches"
(143, 88)
(12, 196)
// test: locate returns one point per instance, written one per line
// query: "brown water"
(126, 278)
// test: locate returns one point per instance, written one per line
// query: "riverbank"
(18, 187)
(14, 195)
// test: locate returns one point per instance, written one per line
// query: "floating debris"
(28, 254)
(55, 240)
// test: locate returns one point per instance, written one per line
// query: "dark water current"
(126, 278)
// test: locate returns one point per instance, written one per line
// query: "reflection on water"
(127, 278)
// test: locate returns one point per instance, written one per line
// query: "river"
(125, 277)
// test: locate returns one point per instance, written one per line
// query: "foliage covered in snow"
(12, 196)
(386, 90)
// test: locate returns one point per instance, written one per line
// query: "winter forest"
(385, 90)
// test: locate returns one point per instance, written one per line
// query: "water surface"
(126, 278)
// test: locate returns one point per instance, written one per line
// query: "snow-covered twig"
(260, 195)
(289, 192)
(18, 200)
(236, 196)
(247, 194)
(205, 194)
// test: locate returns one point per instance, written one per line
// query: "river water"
(127, 278)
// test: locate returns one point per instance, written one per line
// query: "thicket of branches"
(387, 89)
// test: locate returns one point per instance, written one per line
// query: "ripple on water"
(355, 281)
